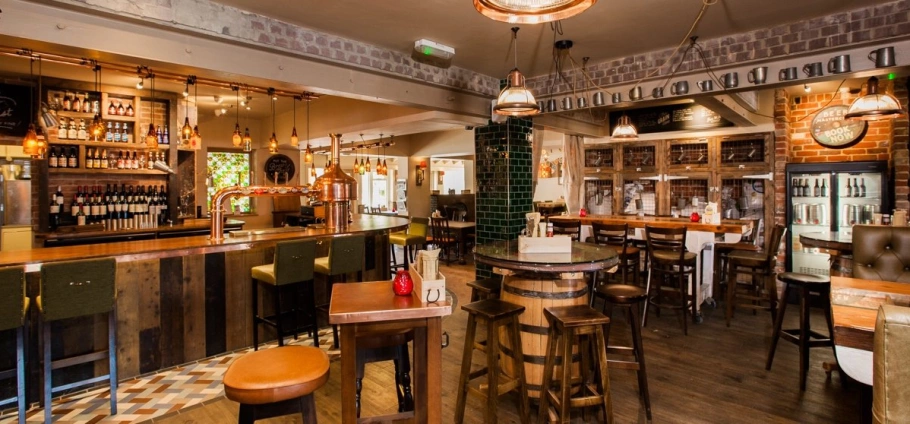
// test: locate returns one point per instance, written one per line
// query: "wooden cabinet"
(750, 152)
(688, 155)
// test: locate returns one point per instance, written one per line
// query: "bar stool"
(617, 235)
(630, 299)
(495, 313)
(13, 310)
(760, 265)
(570, 325)
(748, 242)
(487, 288)
(75, 289)
(277, 381)
(292, 266)
(345, 257)
(415, 235)
(803, 336)
(669, 259)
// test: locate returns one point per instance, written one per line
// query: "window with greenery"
(226, 169)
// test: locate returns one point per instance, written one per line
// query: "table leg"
(348, 374)
(433, 396)
(421, 382)
(462, 236)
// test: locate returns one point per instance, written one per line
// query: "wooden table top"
(854, 314)
(726, 226)
(828, 240)
(460, 225)
(354, 303)
(583, 258)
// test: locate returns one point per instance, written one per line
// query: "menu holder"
(428, 290)
(555, 244)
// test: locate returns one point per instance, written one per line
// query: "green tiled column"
(503, 174)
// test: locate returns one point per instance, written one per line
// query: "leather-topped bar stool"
(414, 236)
(760, 265)
(75, 289)
(670, 261)
(803, 336)
(617, 235)
(495, 313)
(277, 381)
(345, 257)
(292, 267)
(569, 325)
(630, 299)
(13, 310)
(487, 288)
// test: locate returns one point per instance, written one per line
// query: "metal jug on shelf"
(899, 218)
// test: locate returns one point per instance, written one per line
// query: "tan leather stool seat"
(321, 265)
(667, 255)
(264, 273)
(276, 374)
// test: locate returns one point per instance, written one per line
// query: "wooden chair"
(444, 238)
(762, 287)
(617, 235)
(749, 242)
(672, 265)
(570, 227)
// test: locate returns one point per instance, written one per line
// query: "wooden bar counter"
(726, 226)
(180, 299)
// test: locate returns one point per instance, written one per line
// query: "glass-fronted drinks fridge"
(830, 198)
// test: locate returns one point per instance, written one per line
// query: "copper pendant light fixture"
(97, 126)
(624, 129)
(531, 11)
(273, 140)
(515, 99)
(874, 106)
(196, 140)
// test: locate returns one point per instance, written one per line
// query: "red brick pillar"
(900, 155)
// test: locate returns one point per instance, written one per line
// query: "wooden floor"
(714, 375)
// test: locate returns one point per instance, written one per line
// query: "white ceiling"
(609, 29)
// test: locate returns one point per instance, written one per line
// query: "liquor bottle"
(167, 135)
(80, 217)
(67, 101)
(104, 159)
(849, 189)
(794, 187)
(76, 105)
(134, 163)
(855, 189)
(86, 104)
(120, 109)
(150, 163)
(72, 161)
(816, 191)
(61, 131)
(120, 160)
(130, 111)
(125, 135)
(116, 134)
(81, 134)
(52, 158)
(109, 135)
(89, 160)
(824, 188)
(98, 160)
(72, 132)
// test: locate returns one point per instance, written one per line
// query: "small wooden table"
(371, 308)
(854, 308)
(462, 229)
(837, 244)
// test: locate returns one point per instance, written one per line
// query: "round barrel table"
(537, 281)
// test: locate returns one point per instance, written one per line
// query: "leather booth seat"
(891, 365)
(881, 253)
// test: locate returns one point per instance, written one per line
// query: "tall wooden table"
(839, 245)
(363, 309)
(462, 229)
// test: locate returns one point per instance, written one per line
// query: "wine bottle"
(72, 160)
(80, 133)
(52, 158)
(129, 110)
(862, 187)
(86, 104)
(117, 134)
(125, 135)
(72, 132)
(104, 161)
(849, 189)
(80, 217)
(855, 188)
(98, 160)
(89, 161)
(120, 109)
(111, 109)
(61, 132)
(824, 188)
(76, 105)
(816, 191)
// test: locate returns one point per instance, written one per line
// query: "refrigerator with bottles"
(830, 198)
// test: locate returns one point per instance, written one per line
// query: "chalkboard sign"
(281, 164)
(15, 109)
(672, 118)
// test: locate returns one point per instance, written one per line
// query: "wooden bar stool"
(345, 257)
(75, 289)
(760, 265)
(13, 310)
(570, 325)
(630, 299)
(487, 288)
(617, 235)
(749, 242)
(277, 381)
(415, 236)
(495, 313)
(672, 264)
(292, 267)
(803, 336)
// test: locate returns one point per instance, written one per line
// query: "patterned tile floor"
(154, 395)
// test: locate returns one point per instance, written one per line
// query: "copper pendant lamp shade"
(531, 11)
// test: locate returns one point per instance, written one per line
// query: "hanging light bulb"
(196, 135)
(247, 141)
(96, 129)
(30, 141)
(368, 165)
(313, 171)
(186, 130)
(151, 139)
(196, 139)
(140, 84)
(294, 139)
(273, 144)
(237, 138)
(308, 154)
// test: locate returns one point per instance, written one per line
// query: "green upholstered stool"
(13, 309)
(345, 257)
(76, 289)
(293, 266)
(415, 235)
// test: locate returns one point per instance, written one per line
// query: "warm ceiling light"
(624, 129)
(295, 140)
(273, 144)
(197, 136)
(237, 138)
(140, 84)
(218, 99)
(187, 130)
(515, 99)
(807, 88)
(874, 106)
(531, 11)
(30, 142)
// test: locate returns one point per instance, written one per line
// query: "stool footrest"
(792, 335)
(80, 359)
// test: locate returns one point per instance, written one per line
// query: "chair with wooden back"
(762, 287)
(617, 235)
(748, 242)
(672, 265)
(443, 237)
(571, 227)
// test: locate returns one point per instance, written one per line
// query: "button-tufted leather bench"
(881, 253)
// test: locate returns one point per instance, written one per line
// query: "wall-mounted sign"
(15, 109)
(279, 168)
(672, 118)
(830, 129)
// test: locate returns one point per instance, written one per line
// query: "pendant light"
(151, 139)
(294, 139)
(247, 139)
(308, 153)
(237, 138)
(187, 130)
(30, 141)
(197, 138)
(97, 127)
(624, 129)
(531, 11)
(515, 99)
(273, 141)
(874, 106)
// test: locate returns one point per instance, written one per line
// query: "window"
(226, 169)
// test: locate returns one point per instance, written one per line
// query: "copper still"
(336, 189)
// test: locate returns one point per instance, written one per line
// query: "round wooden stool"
(629, 298)
(277, 381)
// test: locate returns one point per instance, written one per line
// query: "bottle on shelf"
(111, 109)
(76, 105)
(824, 188)
(167, 135)
(120, 163)
(72, 161)
(80, 217)
(816, 190)
(862, 187)
(109, 135)
(89, 160)
(794, 187)
(97, 160)
(117, 134)
(130, 111)
(61, 131)
(52, 158)
(72, 132)
(67, 101)
(849, 189)
(855, 189)
(104, 160)
(86, 104)
(120, 109)
(125, 135)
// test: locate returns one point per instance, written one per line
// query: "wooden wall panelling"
(127, 319)
(215, 330)
(149, 289)
(238, 295)
(172, 311)
(193, 307)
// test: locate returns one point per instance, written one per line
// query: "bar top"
(370, 302)
(195, 224)
(726, 226)
(584, 257)
(180, 246)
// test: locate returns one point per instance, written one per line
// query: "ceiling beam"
(728, 108)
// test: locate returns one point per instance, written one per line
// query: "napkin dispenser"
(555, 244)
(429, 283)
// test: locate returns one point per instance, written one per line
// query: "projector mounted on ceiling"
(431, 48)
